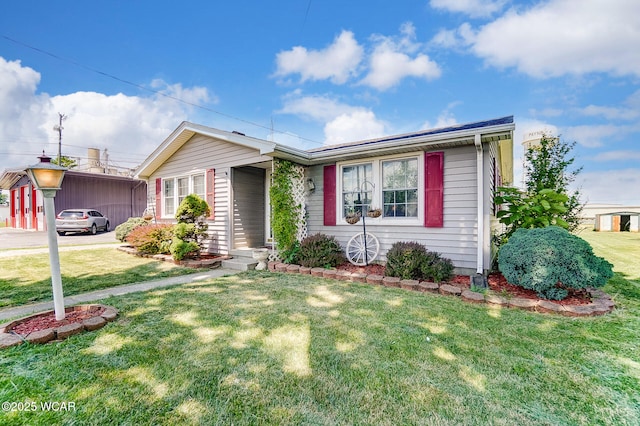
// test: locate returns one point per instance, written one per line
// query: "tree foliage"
(544, 208)
(547, 166)
(65, 161)
(547, 199)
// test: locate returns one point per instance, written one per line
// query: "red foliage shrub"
(151, 239)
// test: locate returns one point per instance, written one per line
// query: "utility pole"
(59, 128)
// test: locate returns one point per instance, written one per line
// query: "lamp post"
(47, 178)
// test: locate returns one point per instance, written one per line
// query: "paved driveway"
(11, 238)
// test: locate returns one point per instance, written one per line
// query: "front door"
(248, 185)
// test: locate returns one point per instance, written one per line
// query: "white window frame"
(377, 200)
(176, 197)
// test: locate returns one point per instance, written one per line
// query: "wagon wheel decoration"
(362, 249)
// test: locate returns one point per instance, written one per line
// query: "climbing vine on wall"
(286, 210)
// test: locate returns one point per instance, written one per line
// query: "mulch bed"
(497, 284)
(43, 322)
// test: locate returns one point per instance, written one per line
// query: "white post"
(54, 257)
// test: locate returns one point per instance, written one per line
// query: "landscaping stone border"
(601, 302)
(189, 263)
(9, 338)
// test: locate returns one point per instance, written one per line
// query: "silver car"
(81, 220)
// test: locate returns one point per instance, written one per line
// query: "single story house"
(433, 186)
(116, 197)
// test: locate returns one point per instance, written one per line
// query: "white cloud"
(342, 122)
(593, 136)
(622, 155)
(356, 125)
(629, 111)
(130, 127)
(473, 8)
(445, 118)
(461, 37)
(337, 62)
(560, 37)
(394, 58)
(611, 186)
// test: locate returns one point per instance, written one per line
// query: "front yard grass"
(27, 279)
(269, 348)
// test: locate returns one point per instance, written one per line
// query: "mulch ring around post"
(43, 327)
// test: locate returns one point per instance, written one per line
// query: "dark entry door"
(248, 185)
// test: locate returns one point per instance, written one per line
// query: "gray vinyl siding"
(456, 240)
(202, 153)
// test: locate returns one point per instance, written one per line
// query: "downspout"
(480, 212)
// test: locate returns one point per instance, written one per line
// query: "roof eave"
(186, 131)
(433, 141)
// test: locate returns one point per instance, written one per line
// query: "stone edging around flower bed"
(189, 263)
(8, 339)
(601, 304)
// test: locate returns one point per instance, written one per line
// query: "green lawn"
(27, 279)
(266, 348)
(620, 248)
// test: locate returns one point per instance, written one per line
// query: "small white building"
(618, 222)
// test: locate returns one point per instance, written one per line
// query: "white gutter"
(480, 183)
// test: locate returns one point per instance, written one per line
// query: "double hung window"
(392, 184)
(176, 189)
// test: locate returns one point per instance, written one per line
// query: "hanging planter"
(374, 213)
(353, 218)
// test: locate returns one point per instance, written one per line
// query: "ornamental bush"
(412, 261)
(550, 260)
(125, 228)
(320, 251)
(151, 239)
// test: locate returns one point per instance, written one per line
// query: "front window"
(176, 189)
(183, 189)
(357, 191)
(400, 188)
(198, 186)
(393, 184)
(169, 197)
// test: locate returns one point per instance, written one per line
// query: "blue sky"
(321, 72)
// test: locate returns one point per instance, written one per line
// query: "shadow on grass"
(289, 349)
(19, 291)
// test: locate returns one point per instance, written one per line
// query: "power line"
(130, 83)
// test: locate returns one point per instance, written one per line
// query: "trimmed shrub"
(180, 249)
(437, 268)
(412, 261)
(320, 251)
(125, 228)
(550, 260)
(151, 239)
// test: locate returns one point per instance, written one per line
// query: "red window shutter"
(329, 192)
(434, 189)
(211, 178)
(158, 198)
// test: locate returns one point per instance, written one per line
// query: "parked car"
(81, 220)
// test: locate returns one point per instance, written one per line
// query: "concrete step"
(239, 264)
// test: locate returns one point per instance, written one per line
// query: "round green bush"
(320, 251)
(123, 230)
(412, 261)
(550, 260)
